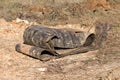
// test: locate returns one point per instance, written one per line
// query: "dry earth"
(102, 64)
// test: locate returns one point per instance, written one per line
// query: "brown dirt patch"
(103, 64)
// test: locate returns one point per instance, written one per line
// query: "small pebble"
(42, 69)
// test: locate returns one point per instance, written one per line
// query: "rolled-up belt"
(46, 43)
(60, 38)
(46, 54)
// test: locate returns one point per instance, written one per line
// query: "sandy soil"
(102, 64)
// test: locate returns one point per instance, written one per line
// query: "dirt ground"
(102, 64)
